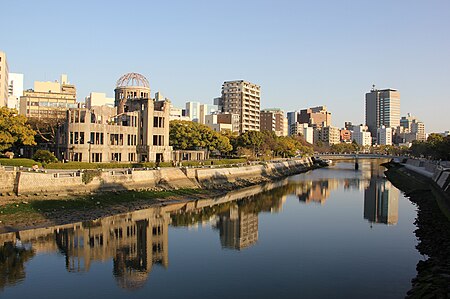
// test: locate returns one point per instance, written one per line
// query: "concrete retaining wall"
(170, 178)
(7, 179)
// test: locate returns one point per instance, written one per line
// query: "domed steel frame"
(132, 80)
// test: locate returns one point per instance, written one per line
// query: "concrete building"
(382, 109)
(178, 114)
(193, 111)
(206, 109)
(316, 117)
(15, 90)
(303, 129)
(197, 111)
(329, 135)
(4, 72)
(98, 99)
(138, 131)
(48, 100)
(292, 117)
(384, 135)
(346, 135)
(273, 120)
(242, 98)
(212, 122)
(361, 135)
(414, 127)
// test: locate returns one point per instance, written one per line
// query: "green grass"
(106, 199)
(86, 165)
(18, 162)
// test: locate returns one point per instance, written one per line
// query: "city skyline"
(301, 54)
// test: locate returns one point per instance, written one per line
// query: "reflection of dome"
(132, 80)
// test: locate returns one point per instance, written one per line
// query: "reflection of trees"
(12, 260)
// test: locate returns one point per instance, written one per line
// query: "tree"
(187, 135)
(44, 156)
(14, 129)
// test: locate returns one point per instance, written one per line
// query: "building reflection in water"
(136, 241)
(237, 229)
(381, 202)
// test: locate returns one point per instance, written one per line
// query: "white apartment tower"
(243, 98)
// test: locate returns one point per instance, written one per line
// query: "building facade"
(302, 129)
(384, 136)
(242, 98)
(382, 109)
(362, 135)
(48, 100)
(4, 72)
(136, 130)
(98, 99)
(15, 90)
(273, 120)
(329, 135)
(316, 117)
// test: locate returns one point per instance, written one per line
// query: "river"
(328, 233)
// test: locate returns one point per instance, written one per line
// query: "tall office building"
(273, 120)
(382, 109)
(3, 80)
(243, 98)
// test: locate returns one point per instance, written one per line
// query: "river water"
(327, 233)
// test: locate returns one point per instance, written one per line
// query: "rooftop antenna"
(373, 87)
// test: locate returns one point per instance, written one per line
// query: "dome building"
(135, 130)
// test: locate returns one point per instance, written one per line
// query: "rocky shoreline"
(433, 234)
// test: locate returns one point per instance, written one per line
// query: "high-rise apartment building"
(3, 80)
(15, 90)
(316, 117)
(48, 99)
(242, 98)
(382, 109)
(273, 120)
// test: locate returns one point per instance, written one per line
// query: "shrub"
(44, 156)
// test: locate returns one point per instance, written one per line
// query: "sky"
(302, 53)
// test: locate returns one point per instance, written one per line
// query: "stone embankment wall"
(23, 182)
(438, 172)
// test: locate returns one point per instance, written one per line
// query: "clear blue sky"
(302, 53)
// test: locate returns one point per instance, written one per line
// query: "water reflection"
(238, 229)
(381, 202)
(136, 241)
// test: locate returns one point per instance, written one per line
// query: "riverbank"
(40, 210)
(433, 233)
